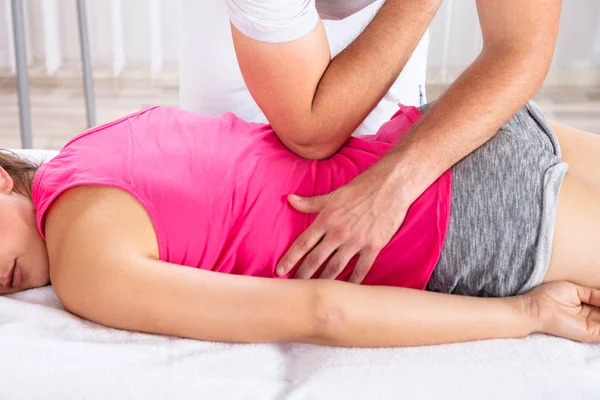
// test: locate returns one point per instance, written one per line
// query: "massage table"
(48, 353)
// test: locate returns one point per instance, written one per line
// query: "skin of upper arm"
(314, 102)
(524, 28)
(282, 78)
(104, 268)
(141, 294)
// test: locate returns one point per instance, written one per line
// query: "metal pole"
(18, 17)
(86, 63)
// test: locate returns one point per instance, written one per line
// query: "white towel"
(48, 353)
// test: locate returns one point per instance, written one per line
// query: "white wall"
(134, 44)
(578, 45)
(576, 58)
(4, 35)
(579, 30)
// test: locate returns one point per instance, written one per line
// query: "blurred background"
(134, 48)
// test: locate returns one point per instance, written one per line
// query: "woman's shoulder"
(95, 227)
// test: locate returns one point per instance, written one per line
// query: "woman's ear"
(6, 182)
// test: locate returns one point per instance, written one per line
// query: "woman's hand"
(566, 310)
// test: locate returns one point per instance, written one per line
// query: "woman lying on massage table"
(169, 222)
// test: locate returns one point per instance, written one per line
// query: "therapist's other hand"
(358, 219)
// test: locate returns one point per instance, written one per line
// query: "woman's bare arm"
(142, 294)
(103, 270)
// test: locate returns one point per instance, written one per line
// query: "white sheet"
(46, 352)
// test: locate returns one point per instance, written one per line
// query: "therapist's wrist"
(404, 177)
(387, 180)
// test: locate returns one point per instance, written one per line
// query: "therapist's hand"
(358, 219)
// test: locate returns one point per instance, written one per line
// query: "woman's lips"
(17, 276)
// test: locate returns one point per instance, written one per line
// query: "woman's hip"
(503, 212)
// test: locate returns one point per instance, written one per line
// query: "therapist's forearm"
(471, 111)
(358, 77)
(314, 103)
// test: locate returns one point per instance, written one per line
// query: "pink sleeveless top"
(215, 189)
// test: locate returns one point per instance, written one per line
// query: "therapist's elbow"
(313, 152)
(306, 144)
(529, 60)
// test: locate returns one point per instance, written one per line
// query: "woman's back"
(215, 189)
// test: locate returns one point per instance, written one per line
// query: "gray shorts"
(503, 211)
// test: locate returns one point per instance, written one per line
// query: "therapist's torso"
(211, 81)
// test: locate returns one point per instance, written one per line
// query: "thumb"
(308, 205)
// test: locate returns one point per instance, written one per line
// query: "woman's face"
(23, 254)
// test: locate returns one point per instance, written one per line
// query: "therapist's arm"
(314, 103)
(519, 38)
(361, 217)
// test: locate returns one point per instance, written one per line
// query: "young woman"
(118, 217)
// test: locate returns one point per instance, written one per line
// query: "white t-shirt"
(277, 21)
(210, 78)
